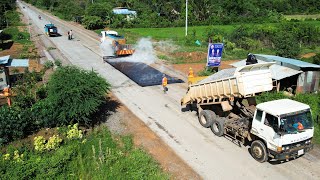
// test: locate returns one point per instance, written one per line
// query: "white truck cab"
(104, 34)
(286, 128)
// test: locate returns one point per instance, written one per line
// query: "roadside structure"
(5, 64)
(130, 14)
(290, 74)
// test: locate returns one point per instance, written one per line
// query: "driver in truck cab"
(298, 125)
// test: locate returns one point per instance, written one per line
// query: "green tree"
(286, 45)
(92, 22)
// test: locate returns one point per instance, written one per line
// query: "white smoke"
(106, 47)
(144, 52)
(166, 46)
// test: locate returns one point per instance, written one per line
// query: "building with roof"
(300, 76)
(5, 64)
(130, 14)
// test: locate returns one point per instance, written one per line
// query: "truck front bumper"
(291, 153)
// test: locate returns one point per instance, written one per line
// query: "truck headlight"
(285, 148)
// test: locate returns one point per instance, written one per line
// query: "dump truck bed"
(246, 82)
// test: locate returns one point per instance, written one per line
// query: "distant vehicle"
(279, 129)
(118, 44)
(50, 30)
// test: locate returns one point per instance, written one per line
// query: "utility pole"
(186, 17)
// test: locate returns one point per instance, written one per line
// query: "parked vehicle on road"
(50, 30)
(279, 129)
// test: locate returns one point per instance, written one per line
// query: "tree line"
(164, 13)
(8, 15)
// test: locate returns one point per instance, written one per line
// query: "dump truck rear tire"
(205, 118)
(259, 151)
(217, 126)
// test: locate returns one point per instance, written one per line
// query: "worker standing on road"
(164, 83)
(70, 33)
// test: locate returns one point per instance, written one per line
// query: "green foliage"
(57, 62)
(206, 72)
(39, 143)
(316, 59)
(102, 10)
(249, 44)
(285, 45)
(17, 36)
(14, 124)
(53, 143)
(92, 22)
(74, 95)
(48, 64)
(74, 132)
(164, 57)
(100, 157)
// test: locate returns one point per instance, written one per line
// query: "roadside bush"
(248, 43)
(14, 124)
(286, 45)
(74, 95)
(316, 59)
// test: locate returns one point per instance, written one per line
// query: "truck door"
(265, 126)
(270, 128)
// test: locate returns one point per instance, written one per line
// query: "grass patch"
(98, 157)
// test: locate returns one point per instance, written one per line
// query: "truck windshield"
(297, 122)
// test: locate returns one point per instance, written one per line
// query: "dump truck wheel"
(217, 126)
(205, 118)
(259, 151)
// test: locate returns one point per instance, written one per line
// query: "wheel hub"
(257, 152)
(203, 119)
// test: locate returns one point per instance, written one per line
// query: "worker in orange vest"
(190, 74)
(164, 83)
(6, 93)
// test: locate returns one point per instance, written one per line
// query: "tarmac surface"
(210, 156)
(142, 74)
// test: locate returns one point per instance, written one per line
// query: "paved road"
(212, 157)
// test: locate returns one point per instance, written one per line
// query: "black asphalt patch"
(141, 73)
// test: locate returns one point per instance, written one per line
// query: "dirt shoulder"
(124, 122)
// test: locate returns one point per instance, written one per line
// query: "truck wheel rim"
(215, 127)
(203, 120)
(257, 152)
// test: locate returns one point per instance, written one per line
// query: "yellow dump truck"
(279, 129)
(117, 43)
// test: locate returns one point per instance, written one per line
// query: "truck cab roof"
(282, 106)
(49, 25)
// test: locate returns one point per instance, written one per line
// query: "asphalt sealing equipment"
(141, 73)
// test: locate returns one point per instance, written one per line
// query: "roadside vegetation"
(14, 31)
(52, 130)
